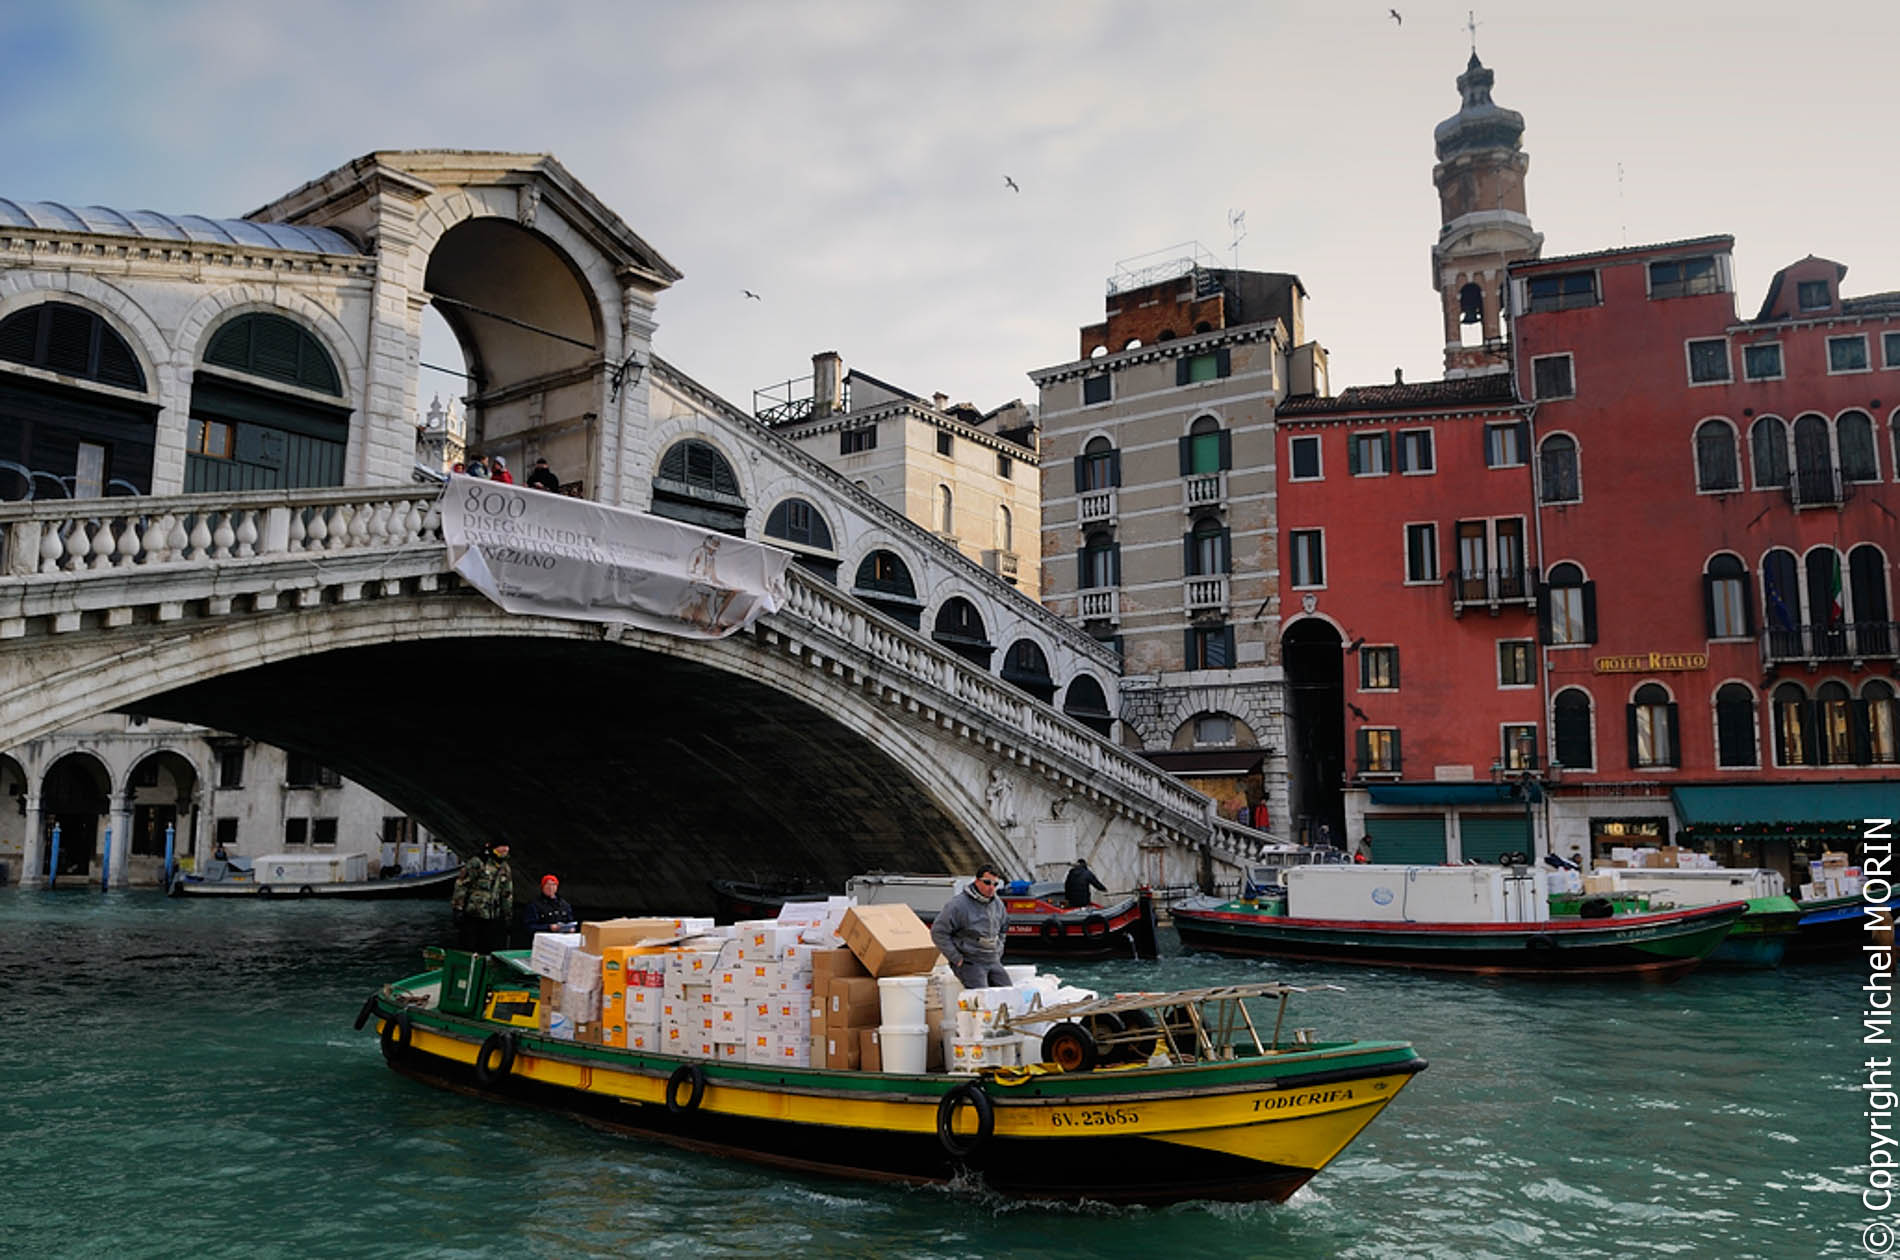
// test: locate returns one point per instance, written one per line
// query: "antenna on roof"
(1472, 24)
(1237, 224)
(1622, 226)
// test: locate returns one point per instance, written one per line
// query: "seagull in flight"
(1396, 17)
(1011, 184)
(749, 293)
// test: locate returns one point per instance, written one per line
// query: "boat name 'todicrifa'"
(1312, 1097)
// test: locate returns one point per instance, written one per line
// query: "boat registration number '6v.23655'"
(1094, 1118)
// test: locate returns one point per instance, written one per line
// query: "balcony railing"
(1838, 641)
(1207, 594)
(1491, 588)
(1204, 490)
(1101, 603)
(1001, 563)
(1097, 507)
(1818, 487)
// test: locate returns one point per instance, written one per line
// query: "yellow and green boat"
(1171, 1097)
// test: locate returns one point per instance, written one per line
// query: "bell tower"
(1483, 223)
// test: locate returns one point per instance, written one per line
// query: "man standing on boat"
(484, 900)
(970, 930)
(1075, 887)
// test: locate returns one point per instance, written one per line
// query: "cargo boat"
(1253, 1120)
(1760, 938)
(1833, 928)
(297, 875)
(1510, 933)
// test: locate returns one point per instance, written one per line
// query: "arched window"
(1005, 529)
(884, 582)
(1654, 739)
(1768, 446)
(1872, 631)
(1855, 432)
(1781, 605)
(1026, 668)
(1208, 548)
(797, 522)
(71, 341)
(1559, 478)
(1098, 564)
(1716, 465)
(1735, 726)
(1206, 449)
(1879, 720)
(1725, 599)
(1571, 729)
(696, 485)
(1098, 467)
(1814, 462)
(946, 513)
(1794, 732)
(1827, 603)
(1086, 703)
(247, 437)
(1834, 716)
(959, 627)
(1567, 606)
(59, 442)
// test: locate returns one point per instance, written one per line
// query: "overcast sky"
(845, 159)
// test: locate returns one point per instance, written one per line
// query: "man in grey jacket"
(970, 931)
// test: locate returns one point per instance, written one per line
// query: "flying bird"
(749, 293)
(1396, 17)
(1011, 183)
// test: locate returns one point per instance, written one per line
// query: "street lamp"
(1518, 768)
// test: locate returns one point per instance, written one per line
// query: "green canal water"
(181, 1079)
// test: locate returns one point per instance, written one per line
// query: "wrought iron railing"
(1491, 587)
(1832, 641)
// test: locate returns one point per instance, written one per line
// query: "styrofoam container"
(1418, 894)
(902, 1000)
(905, 1047)
(1020, 974)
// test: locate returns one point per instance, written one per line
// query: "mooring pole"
(170, 840)
(52, 871)
(105, 864)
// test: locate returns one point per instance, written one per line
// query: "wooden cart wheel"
(1070, 1047)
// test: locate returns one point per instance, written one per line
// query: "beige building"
(972, 478)
(1158, 511)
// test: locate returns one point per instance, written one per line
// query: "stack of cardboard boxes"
(1831, 877)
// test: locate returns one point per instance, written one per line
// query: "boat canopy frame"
(1214, 1030)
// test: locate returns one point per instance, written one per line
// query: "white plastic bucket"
(902, 999)
(906, 1047)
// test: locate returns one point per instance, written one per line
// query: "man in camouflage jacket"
(484, 901)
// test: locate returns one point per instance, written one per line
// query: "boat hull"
(435, 884)
(1839, 927)
(1660, 946)
(1247, 1129)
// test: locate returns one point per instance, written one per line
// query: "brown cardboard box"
(870, 1054)
(842, 1049)
(826, 963)
(588, 1032)
(1670, 855)
(851, 1002)
(933, 1045)
(596, 937)
(889, 940)
(550, 995)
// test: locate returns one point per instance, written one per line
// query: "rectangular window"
(1213, 729)
(1378, 750)
(1095, 389)
(1551, 377)
(1421, 552)
(945, 443)
(306, 772)
(851, 441)
(1813, 295)
(1762, 362)
(1210, 647)
(1684, 277)
(1514, 663)
(1562, 293)
(225, 834)
(1728, 608)
(1303, 454)
(1505, 445)
(1378, 668)
(1519, 747)
(1415, 450)
(230, 767)
(1847, 354)
(1308, 557)
(1371, 454)
(323, 831)
(1708, 361)
(211, 437)
(1004, 465)
(1890, 349)
(296, 832)
(1566, 615)
(1203, 367)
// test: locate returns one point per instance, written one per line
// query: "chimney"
(827, 383)
(940, 401)
(1398, 376)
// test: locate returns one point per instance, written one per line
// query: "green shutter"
(1352, 454)
(1407, 841)
(1226, 449)
(1487, 837)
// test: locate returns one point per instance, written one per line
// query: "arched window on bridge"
(959, 627)
(1027, 669)
(884, 582)
(267, 410)
(57, 442)
(802, 529)
(1088, 704)
(696, 485)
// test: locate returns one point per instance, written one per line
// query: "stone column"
(33, 846)
(120, 821)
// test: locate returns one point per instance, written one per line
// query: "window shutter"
(1226, 448)
(1187, 554)
(1223, 364)
(1810, 723)
(1187, 455)
(1629, 733)
(1114, 564)
(1360, 749)
(1352, 454)
(1590, 611)
(1543, 613)
(1385, 450)
(1187, 649)
(1081, 473)
(1400, 460)
(1748, 600)
(1082, 569)
(1181, 370)
(1114, 468)
(1675, 734)
(1863, 734)
(1524, 441)
(1708, 603)
(1395, 666)
(1398, 756)
(1226, 550)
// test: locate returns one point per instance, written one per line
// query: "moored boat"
(1249, 1119)
(299, 875)
(1760, 937)
(1485, 920)
(1832, 928)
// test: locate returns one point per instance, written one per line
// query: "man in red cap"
(548, 913)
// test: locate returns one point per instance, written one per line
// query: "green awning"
(1801, 803)
(1440, 793)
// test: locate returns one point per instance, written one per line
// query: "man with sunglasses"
(971, 929)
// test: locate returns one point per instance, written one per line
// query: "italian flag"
(1836, 611)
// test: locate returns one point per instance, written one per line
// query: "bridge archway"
(76, 797)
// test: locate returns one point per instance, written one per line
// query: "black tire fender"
(685, 1073)
(1051, 929)
(1540, 942)
(493, 1074)
(263, 890)
(306, 890)
(947, 1107)
(1095, 925)
(369, 1008)
(397, 1031)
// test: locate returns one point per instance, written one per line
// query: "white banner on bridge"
(539, 553)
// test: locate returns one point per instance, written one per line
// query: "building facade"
(1158, 510)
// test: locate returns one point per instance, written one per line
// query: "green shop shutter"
(1407, 839)
(1487, 837)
